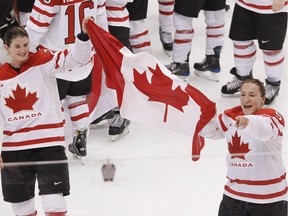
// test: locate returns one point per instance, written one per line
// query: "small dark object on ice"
(108, 171)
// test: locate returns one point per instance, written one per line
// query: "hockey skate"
(233, 87)
(103, 121)
(271, 92)
(181, 70)
(167, 41)
(118, 127)
(209, 68)
(78, 146)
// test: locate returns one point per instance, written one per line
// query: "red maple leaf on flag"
(238, 149)
(154, 90)
(21, 101)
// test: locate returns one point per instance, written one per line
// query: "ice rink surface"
(155, 175)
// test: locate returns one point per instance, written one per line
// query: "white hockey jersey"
(255, 168)
(30, 105)
(54, 24)
(261, 6)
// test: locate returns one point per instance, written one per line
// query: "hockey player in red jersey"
(256, 174)
(33, 144)
(265, 21)
(43, 27)
(184, 13)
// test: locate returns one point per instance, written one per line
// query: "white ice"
(155, 175)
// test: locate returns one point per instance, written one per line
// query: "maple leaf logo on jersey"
(176, 98)
(21, 101)
(236, 148)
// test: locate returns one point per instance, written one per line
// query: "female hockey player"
(33, 132)
(256, 175)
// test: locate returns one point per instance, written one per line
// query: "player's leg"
(242, 32)
(271, 39)
(139, 35)
(166, 28)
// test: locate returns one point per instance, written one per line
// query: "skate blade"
(119, 136)
(208, 75)
(167, 52)
(81, 159)
(235, 95)
(184, 78)
(102, 124)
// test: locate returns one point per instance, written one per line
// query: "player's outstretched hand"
(278, 5)
(241, 122)
(84, 22)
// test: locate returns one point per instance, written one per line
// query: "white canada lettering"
(24, 117)
(241, 164)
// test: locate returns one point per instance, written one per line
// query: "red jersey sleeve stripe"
(275, 124)
(46, 13)
(40, 24)
(224, 128)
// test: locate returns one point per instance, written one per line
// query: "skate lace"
(234, 84)
(166, 37)
(270, 91)
(118, 121)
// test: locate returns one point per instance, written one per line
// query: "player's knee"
(26, 208)
(54, 205)
(182, 22)
(243, 44)
(215, 18)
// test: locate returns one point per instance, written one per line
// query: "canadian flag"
(101, 99)
(148, 93)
